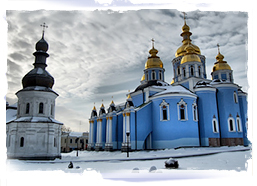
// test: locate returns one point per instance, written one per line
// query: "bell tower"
(35, 134)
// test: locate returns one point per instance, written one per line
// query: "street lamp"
(77, 141)
(127, 133)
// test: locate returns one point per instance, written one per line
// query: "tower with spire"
(35, 133)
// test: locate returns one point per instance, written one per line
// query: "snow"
(195, 164)
(177, 89)
(76, 134)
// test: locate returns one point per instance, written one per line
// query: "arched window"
(22, 142)
(153, 75)
(164, 111)
(235, 97)
(199, 71)
(160, 75)
(147, 77)
(178, 70)
(182, 110)
(52, 109)
(215, 125)
(70, 140)
(27, 108)
(195, 114)
(238, 123)
(191, 70)
(230, 77)
(41, 108)
(231, 125)
(54, 142)
(184, 72)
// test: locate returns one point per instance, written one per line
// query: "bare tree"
(66, 129)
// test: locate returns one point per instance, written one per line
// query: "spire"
(39, 76)
(186, 40)
(219, 57)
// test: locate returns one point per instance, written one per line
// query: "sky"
(98, 55)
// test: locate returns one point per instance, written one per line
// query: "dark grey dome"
(38, 77)
(42, 45)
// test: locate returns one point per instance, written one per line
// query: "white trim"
(234, 127)
(195, 111)
(153, 73)
(235, 97)
(178, 108)
(239, 124)
(163, 103)
(216, 124)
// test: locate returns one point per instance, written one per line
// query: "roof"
(173, 89)
(35, 120)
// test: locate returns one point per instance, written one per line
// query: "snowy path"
(93, 156)
(105, 167)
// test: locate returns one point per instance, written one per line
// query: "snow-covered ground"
(195, 164)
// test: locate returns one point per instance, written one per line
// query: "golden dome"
(143, 78)
(153, 61)
(220, 64)
(185, 28)
(182, 50)
(190, 56)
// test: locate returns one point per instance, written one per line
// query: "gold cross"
(218, 47)
(153, 42)
(184, 16)
(44, 26)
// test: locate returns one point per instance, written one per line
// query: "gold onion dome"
(186, 40)
(143, 78)
(153, 61)
(190, 56)
(220, 64)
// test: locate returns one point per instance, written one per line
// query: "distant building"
(191, 111)
(68, 141)
(32, 131)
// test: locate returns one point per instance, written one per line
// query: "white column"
(110, 129)
(187, 71)
(196, 71)
(107, 129)
(127, 125)
(124, 128)
(100, 131)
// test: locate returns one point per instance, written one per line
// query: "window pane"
(164, 114)
(41, 108)
(231, 125)
(27, 108)
(21, 142)
(182, 113)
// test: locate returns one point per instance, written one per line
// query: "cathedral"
(191, 111)
(34, 133)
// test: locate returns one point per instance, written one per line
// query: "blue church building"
(191, 111)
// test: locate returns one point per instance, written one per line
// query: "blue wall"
(207, 108)
(227, 106)
(243, 111)
(174, 133)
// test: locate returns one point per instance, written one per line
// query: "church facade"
(191, 111)
(34, 133)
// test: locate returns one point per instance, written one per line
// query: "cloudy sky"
(99, 54)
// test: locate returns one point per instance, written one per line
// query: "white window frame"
(164, 103)
(147, 76)
(178, 108)
(239, 124)
(153, 73)
(216, 124)
(234, 127)
(195, 111)
(235, 97)
(160, 75)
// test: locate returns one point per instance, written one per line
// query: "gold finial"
(43, 28)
